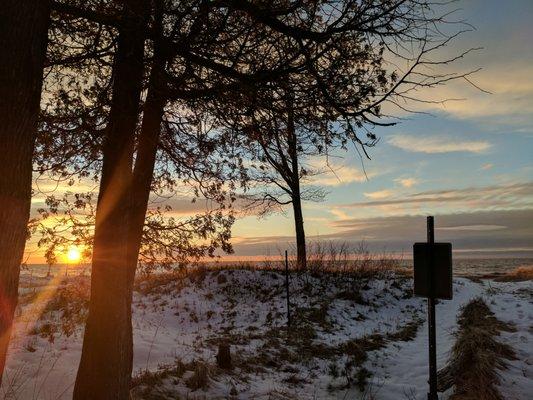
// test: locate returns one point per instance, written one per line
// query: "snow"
(184, 319)
(512, 302)
(410, 376)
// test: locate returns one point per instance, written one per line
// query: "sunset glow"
(73, 254)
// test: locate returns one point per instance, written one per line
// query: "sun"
(73, 254)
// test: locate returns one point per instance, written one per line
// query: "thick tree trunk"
(23, 38)
(147, 149)
(107, 354)
(143, 174)
(145, 162)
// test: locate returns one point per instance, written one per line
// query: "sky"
(467, 162)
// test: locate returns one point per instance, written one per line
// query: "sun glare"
(73, 254)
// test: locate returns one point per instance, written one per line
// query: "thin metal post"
(287, 289)
(432, 395)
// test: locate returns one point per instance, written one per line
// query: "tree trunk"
(107, 354)
(301, 253)
(147, 148)
(23, 39)
(146, 157)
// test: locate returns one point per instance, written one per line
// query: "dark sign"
(433, 279)
(433, 270)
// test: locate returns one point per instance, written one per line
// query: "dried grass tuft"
(163, 282)
(199, 378)
(66, 310)
(477, 355)
(524, 273)
(160, 384)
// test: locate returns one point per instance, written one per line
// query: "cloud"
(438, 144)
(339, 214)
(342, 175)
(510, 196)
(486, 167)
(489, 232)
(381, 194)
(458, 224)
(510, 88)
(482, 230)
(44, 187)
(472, 228)
(407, 182)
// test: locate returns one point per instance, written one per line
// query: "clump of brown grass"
(159, 283)
(314, 315)
(152, 378)
(69, 304)
(477, 355)
(357, 351)
(151, 384)
(148, 385)
(45, 330)
(354, 260)
(524, 273)
(407, 332)
(358, 348)
(199, 378)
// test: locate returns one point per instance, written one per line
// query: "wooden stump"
(224, 356)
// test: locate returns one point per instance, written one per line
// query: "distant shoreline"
(475, 268)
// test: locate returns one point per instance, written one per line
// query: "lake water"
(488, 266)
(461, 267)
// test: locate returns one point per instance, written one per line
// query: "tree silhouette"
(23, 39)
(202, 58)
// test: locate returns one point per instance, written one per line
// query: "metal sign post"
(287, 289)
(432, 395)
(433, 280)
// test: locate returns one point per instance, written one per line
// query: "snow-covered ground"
(351, 338)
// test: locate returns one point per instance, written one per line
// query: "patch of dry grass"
(326, 261)
(356, 261)
(159, 283)
(153, 385)
(333, 258)
(200, 376)
(524, 273)
(65, 310)
(477, 355)
(358, 348)
(407, 332)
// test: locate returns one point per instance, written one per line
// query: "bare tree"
(278, 149)
(376, 65)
